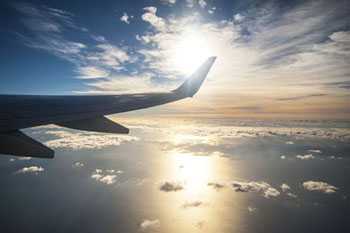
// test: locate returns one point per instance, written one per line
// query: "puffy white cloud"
(258, 187)
(106, 177)
(238, 18)
(31, 169)
(78, 165)
(315, 151)
(149, 224)
(285, 187)
(151, 17)
(305, 157)
(111, 55)
(169, 2)
(170, 186)
(202, 3)
(76, 140)
(319, 186)
(251, 209)
(125, 18)
(212, 10)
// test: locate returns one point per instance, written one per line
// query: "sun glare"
(195, 171)
(190, 52)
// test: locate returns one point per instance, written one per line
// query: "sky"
(276, 59)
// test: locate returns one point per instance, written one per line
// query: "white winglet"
(190, 87)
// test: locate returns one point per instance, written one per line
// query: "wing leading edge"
(79, 112)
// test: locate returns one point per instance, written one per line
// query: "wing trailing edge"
(99, 124)
(18, 144)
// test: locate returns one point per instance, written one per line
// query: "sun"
(188, 53)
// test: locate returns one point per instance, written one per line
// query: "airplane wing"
(78, 112)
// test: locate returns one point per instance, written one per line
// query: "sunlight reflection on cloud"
(85, 140)
(31, 169)
(319, 186)
(258, 187)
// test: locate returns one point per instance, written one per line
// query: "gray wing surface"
(79, 112)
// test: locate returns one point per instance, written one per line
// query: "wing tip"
(191, 86)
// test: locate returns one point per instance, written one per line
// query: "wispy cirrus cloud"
(47, 29)
(301, 97)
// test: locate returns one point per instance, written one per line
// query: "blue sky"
(285, 58)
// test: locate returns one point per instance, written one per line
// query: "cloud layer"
(76, 140)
